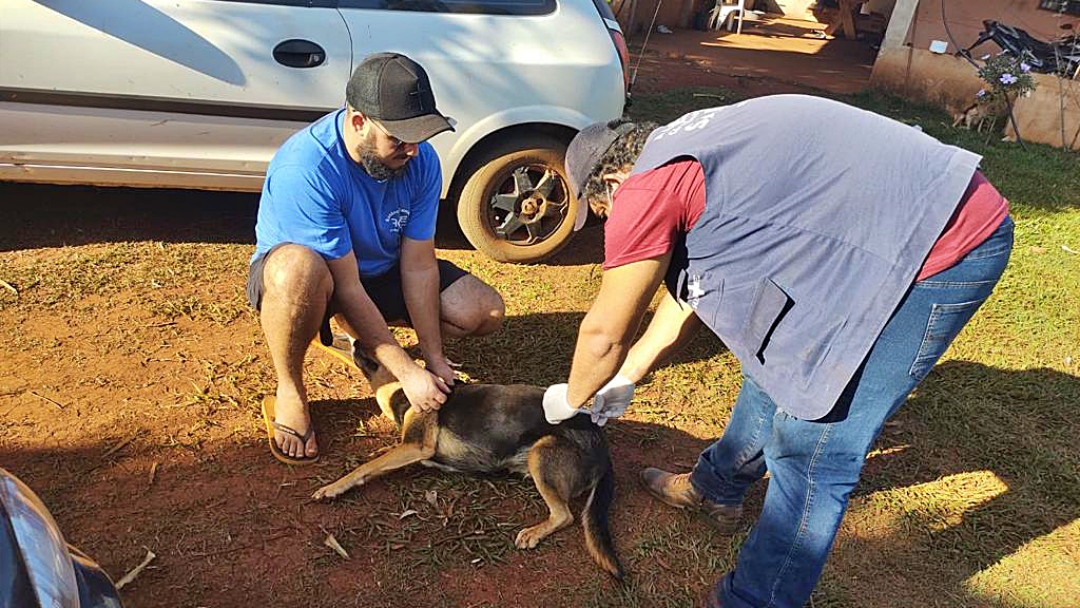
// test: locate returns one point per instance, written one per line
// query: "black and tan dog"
(485, 428)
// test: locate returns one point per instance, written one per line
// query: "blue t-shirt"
(315, 195)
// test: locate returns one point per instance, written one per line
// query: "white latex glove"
(556, 408)
(612, 400)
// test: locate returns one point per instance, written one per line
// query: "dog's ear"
(366, 364)
(374, 371)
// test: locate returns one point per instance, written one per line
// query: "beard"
(374, 165)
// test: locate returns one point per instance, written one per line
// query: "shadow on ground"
(39, 216)
(978, 464)
(231, 526)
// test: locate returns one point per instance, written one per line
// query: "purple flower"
(1007, 79)
(981, 94)
(1024, 68)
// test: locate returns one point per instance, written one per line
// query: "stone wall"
(942, 80)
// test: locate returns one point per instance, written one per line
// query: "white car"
(200, 94)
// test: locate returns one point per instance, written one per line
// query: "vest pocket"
(789, 339)
(770, 305)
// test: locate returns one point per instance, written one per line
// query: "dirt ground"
(129, 388)
(132, 369)
(772, 55)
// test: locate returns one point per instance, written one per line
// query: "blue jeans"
(815, 464)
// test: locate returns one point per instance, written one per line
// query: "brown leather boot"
(676, 490)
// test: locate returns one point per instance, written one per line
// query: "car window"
(488, 7)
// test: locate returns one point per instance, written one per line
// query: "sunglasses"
(395, 142)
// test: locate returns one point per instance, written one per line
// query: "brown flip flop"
(271, 426)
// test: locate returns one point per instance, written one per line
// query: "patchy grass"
(130, 325)
(985, 492)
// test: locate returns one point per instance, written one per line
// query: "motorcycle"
(38, 569)
(1061, 56)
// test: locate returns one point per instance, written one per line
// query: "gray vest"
(818, 217)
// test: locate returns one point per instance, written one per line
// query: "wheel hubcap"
(530, 205)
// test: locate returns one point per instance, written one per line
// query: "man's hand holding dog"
(424, 389)
(610, 401)
(556, 407)
(438, 365)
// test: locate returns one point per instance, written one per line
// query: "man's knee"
(474, 306)
(828, 455)
(294, 270)
(491, 312)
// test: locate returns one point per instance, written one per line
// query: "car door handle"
(297, 53)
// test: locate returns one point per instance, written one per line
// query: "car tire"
(517, 205)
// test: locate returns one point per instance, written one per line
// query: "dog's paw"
(329, 492)
(531, 536)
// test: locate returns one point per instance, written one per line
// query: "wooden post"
(903, 16)
(633, 19)
(686, 14)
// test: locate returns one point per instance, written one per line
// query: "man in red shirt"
(837, 272)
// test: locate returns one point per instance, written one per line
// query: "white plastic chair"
(727, 12)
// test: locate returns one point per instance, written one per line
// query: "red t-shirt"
(656, 206)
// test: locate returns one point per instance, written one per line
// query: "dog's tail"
(595, 522)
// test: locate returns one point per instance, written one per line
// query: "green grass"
(987, 493)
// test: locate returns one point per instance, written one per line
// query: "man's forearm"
(597, 356)
(421, 290)
(611, 323)
(670, 329)
(373, 335)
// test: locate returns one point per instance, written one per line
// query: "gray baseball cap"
(583, 155)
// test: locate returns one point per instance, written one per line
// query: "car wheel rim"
(529, 205)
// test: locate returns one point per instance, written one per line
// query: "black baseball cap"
(583, 156)
(395, 91)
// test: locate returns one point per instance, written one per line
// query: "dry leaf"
(116, 448)
(336, 546)
(130, 576)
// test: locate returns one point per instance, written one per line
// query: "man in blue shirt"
(346, 228)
